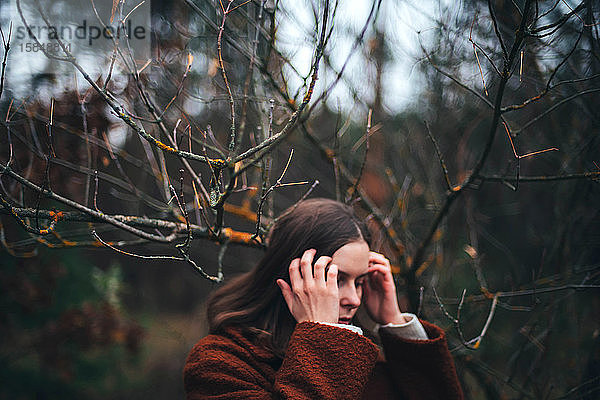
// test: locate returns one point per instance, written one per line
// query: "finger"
(319, 270)
(286, 291)
(367, 287)
(306, 265)
(379, 283)
(379, 271)
(380, 268)
(295, 278)
(332, 274)
(375, 279)
(377, 258)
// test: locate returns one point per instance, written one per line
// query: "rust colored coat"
(322, 362)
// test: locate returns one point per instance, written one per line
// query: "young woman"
(284, 329)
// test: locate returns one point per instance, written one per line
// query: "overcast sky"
(400, 20)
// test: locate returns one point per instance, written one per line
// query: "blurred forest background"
(464, 131)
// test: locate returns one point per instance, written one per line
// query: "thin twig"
(476, 56)
(554, 107)
(440, 158)
(541, 178)
(354, 190)
(6, 44)
(225, 79)
(269, 190)
(512, 145)
(496, 30)
(110, 246)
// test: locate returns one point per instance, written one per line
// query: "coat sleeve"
(422, 369)
(321, 362)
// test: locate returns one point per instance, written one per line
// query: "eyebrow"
(358, 277)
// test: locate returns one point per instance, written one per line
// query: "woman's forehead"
(352, 259)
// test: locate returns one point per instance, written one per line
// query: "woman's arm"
(411, 329)
(322, 362)
(325, 362)
(417, 357)
(421, 369)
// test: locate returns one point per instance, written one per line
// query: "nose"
(350, 297)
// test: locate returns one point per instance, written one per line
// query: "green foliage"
(61, 331)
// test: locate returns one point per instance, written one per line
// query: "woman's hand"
(380, 292)
(312, 297)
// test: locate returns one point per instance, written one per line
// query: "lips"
(344, 320)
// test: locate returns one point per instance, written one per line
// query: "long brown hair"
(253, 301)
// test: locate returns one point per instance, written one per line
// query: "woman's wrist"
(412, 329)
(396, 319)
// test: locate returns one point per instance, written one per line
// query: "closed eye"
(343, 278)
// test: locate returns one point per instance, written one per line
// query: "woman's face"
(352, 260)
